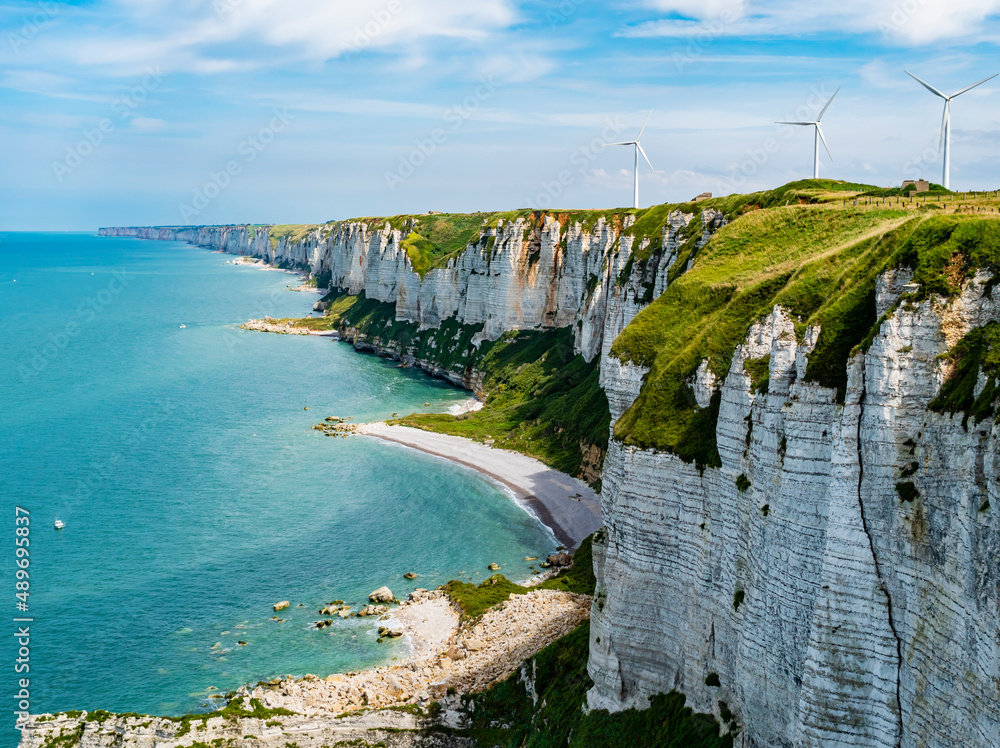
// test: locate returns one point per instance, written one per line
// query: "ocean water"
(194, 492)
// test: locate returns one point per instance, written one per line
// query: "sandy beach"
(569, 507)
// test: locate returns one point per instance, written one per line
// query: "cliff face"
(517, 275)
(809, 598)
(571, 274)
(800, 536)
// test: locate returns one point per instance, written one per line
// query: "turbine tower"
(946, 123)
(638, 150)
(818, 135)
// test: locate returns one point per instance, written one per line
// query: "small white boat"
(183, 326)
(59, 524)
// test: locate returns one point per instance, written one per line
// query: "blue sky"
(136, 112)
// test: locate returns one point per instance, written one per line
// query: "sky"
(170, 112)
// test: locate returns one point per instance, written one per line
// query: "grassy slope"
(821, 262)
(475, 600)
(541, 399)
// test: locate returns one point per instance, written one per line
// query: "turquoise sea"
(178, 451)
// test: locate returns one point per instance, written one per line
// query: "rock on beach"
(382, 595)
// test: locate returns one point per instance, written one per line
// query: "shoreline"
(565, 505)
(267, 324)
(445, 653)
(448, 657)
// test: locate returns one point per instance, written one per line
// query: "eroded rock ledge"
(394, 705)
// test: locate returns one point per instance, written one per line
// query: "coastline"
(445, 653)
(273, 326)
(448, 658)
(567, 506)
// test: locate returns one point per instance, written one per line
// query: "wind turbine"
(818, 135)
(946, 122)
(638, 150)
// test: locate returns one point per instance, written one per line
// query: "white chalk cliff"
(514, 277)
(825, 610)
(810, 608)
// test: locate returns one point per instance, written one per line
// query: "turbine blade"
(820, 117)
(928, 86)
(628, 142)
(644, 155)
(969, 88)
(945, 119)
(795, 123)
(820, 131)
(644, 125)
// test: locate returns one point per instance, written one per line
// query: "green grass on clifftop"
(435, 239)
(431, 240)
(294, 232)
(819, 262)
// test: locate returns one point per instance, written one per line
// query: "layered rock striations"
(830, 576)
(527, 273)
(798, 590)
(581, 277)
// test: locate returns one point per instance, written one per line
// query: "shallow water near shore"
(194, 492)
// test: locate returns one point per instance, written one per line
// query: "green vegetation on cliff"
(432, 239)
(541, 399)
(821, 263)
(435, 239)
(475, 600)
(508, 716)
(977, 354)
(293, 232)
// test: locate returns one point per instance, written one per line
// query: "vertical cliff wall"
(539, 271)
(834, 579)
(802, 486)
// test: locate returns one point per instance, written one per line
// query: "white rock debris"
(447, 659)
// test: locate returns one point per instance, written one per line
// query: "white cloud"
(222, 35)
(51, 85)
(906, 22)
